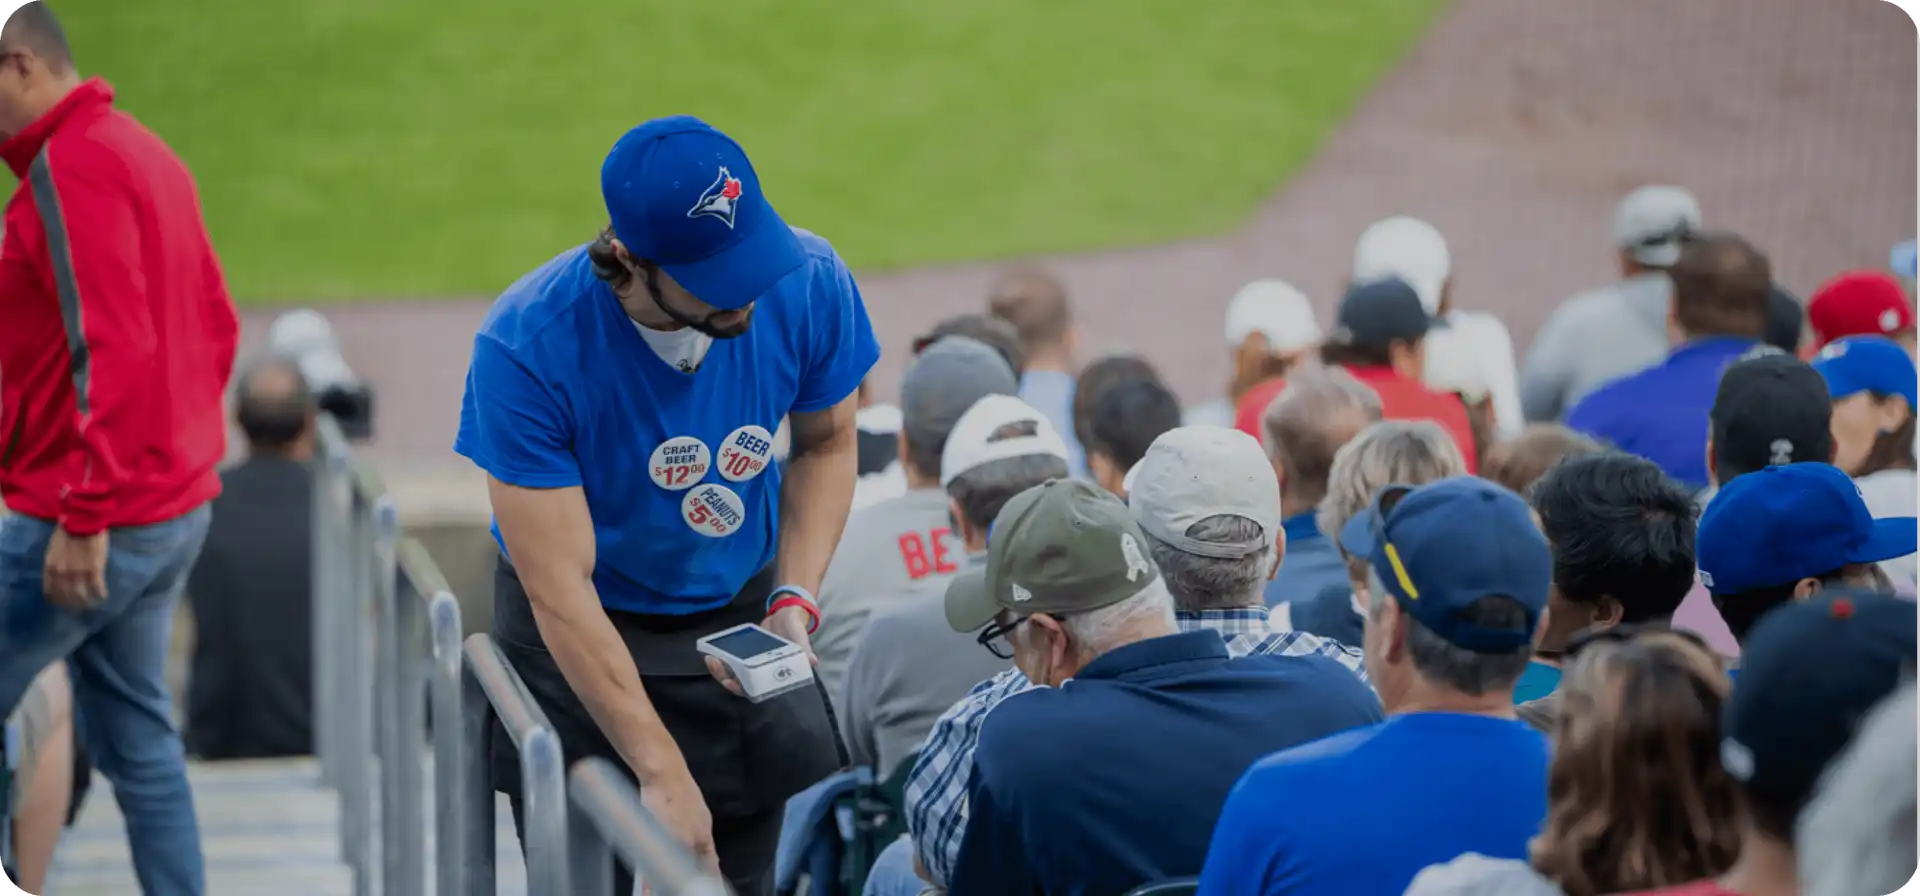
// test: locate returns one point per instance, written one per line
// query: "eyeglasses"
(996, 637)
(1621, 634)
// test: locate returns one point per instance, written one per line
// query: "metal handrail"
(607, 819)
(542, 773)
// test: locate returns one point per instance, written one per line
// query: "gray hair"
(1097, 631)
(1293, 428)
(983, 490)
(1446, 664)
(1407, 452)
(1210, 583)
(1857, 836)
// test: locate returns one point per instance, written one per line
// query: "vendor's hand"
(74, 575)
(789, 623)
(676, 800)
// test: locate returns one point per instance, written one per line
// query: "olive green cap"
(1064, 546)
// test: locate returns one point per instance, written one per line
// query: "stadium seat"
(1179, 886)
(879, 814)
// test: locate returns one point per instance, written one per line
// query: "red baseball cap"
(1858, 303)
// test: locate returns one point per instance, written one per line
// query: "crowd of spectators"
(1400, 610)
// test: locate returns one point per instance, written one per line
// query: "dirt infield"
(1513, 127)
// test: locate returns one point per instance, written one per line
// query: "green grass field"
(381, 148)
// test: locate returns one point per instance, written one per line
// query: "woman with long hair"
(1637, 798)
(1872, 381)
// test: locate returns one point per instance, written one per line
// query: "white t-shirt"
(1890, 493)
(684, 348)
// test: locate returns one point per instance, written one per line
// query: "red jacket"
(1400, 399)
(118, 333)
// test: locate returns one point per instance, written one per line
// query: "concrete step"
(265, 826)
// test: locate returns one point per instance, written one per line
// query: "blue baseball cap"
(1867, 364)
(683, 196)
(1781, 524)
(1439, 547)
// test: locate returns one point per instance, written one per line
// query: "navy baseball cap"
(1785, 523)
(1867, 364)
(1791, 714)
(683, 196)
(1380, 312)
(1440, 547)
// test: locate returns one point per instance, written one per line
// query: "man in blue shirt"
(1458, 584)
(1112, 774)
(1319, 411)
(1721, 286)
(622, 399)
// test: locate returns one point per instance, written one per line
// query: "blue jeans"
(117, 654)
(892, 873)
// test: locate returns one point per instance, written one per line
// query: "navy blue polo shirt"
(1661, 412)
(677, 468)
(1115, 778)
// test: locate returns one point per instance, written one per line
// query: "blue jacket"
(1660, 413)
(1115, 778)
(1311, 565)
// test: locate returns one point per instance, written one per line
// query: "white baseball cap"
(1407, 248)
(998, 427)
(1274, 309)
(1650, 222)
(1191, 473)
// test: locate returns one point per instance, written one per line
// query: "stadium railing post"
(543, 796)
(451, 798)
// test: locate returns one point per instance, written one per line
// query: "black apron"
(747, 757)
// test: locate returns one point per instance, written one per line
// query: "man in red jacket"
(118, 339)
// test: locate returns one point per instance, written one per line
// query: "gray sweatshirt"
(885, 550)
(1593, 338)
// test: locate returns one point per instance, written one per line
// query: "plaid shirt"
(936, 794)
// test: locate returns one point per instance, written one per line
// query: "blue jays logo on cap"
(720, 199)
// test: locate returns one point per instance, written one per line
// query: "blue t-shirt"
(677, 467)
(1538, 681)
(1661, 412)
(1364, 811)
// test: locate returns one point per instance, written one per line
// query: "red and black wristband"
(786, 596)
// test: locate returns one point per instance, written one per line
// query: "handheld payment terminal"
(766, 664)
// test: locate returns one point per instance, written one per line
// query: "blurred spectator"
(1381, 341)
(1477, 346)
(1519, 462)
(250, 694)
(1769, 409)
(1720, 289)
(1458, 582)
(936, 794)
(1126, 419)
(1270, 330)
(1783, 534)
(1872, 382)
(1616, 821)
(888, 547)
(1857, 836)
(1103, 374)
(45, 790)
(1786, 321)
(1320, 411)
(1789, 718)
(1163, 719)
(1607, 333)
(908, 665)
(1622, 535)
(1861, 303)
(1210, 508)
(881, 474)
(1035, 303)
(1473, 874)
(1400, 452)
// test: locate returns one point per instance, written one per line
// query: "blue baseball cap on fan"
(1867, 364)
(1442, 546)
(1778, 525)
(683, 195)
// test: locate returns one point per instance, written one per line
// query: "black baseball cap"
(1380, 312)
(1771, 409)
(1809, 672)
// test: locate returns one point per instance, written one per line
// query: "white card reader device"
(766, 664)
